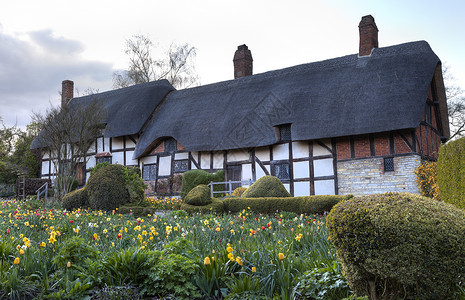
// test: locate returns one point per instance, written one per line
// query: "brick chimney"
(242, 62)
(368, 35)
(67, 91)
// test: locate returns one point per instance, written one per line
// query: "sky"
(45, 42)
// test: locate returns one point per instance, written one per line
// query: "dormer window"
(170, 145)
(284, 133)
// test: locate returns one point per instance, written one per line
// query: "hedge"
(300, 205)
(193, 178)
(451, 173)
(266, 186)
(216, 206)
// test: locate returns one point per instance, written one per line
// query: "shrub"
(400, 245)
(266, 186)
(193, 178)
(427, 179)
(239, 191)
(299, 205)
(74, 250)
(451, 172)
(215, 206)
(76, 199)
(199, 196)
(107, 188)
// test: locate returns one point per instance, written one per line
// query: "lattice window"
(103, 159)
(285, 132)
(282, 171)
(388, 164)
(149, 172)
(180, 165)
(170, 145)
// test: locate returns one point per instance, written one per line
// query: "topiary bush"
(266, 186)
(239, 191)
(199, 196)
(215, 206)
(300, 205)
(107, 188)
(76, 199)
(193, 178)
(451, 172)
(399, 245)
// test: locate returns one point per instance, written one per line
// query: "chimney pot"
(368, 35)
(242, 62)
(67, 91)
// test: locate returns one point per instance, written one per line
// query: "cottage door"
(234, 173)
(81, 174)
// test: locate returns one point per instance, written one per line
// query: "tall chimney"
(67, 91)
(242, 62)
(368, 35)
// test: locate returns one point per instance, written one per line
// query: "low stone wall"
(367, 176)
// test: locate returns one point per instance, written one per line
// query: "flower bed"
(79, 253)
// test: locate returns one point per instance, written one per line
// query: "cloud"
(32, 67)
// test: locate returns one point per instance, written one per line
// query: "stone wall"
(367, 176)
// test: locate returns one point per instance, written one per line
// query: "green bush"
(215, 206)
(266, 186)
(193, 178)
(239, 191)
(399, 245)
(199, 196)
(107, 188)
(300, 205)
(137, 211)
(76, 199)
(451, 172)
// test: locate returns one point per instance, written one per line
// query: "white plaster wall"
(259, 171)
(323, 167)
(107, 144)
(205, 160)
(91, 148)
(281, 151)
(246, 172)
(218, 160)
(129, 143)
(237, 155)
(52, 166)
(117, 158)
(45, 165)
(287, 186)
(99, 145)
(183, 155)
(91, 162)
(164, 169)
(300, 149)
(129, 160)
(301, 188)
(45, 156)
(117, 143)
(301, 169)
(319, 150)
(148, 160)
(263, 153)
(324, 187)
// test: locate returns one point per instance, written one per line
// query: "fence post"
(230, 187)
(211, 188)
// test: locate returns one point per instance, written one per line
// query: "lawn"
(47, 252)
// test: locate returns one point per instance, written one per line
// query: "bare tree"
(455, 104)
(67, 133)
(177, 65)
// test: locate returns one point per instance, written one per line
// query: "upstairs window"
(428, 112)
(181, 165)
(284, 133)
(103, 157)
(170, 145)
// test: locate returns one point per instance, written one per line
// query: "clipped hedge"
(193, 178)
(136, 210)
(451, 172)
(300, 205)
(266, 186)
(76, 199)
(199, 196)
(216, 206)
(399, 245)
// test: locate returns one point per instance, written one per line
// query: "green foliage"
(76, 199)
(172, 276)
(107, 188)
(239, 191)
(116, 293)
(266, 186)
(215, 206)
(400, 245)
(451, 172)
(299, 205)
(15, 286)
(193, 178)
(325, 283)
(198, 196)
(74, 250)
(136, 211)
(135, 184)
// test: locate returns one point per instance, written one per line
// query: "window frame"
(150, 172)
(278, 165)
(387, 162)
(186, 161)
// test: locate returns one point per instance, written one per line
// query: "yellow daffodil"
(280, 256)
(16, 262)
(206, 261)
(254, 269)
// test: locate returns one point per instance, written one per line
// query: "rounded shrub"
(239, 191)
(76, 199)
(399, 245)
(107, 188)
(198, 196)
(193, 178)
(266, 186)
